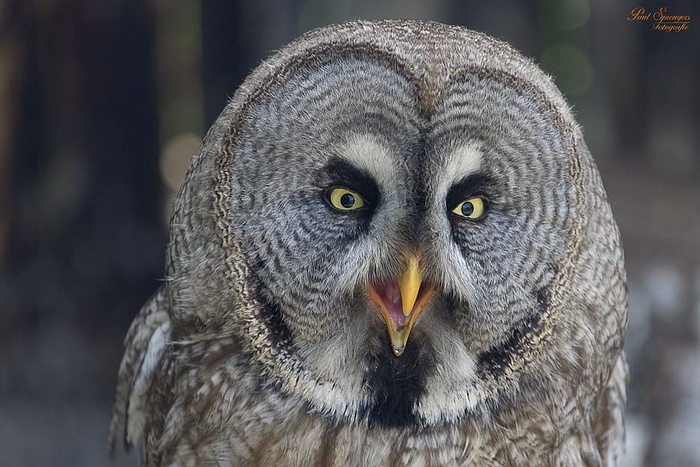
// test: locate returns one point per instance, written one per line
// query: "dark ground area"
(103, 103)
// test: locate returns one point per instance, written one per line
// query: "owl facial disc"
(401, 302)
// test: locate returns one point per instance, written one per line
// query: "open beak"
(401, 302)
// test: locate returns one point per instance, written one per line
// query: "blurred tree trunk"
(236, 36)
(11, 55)
(85, 245)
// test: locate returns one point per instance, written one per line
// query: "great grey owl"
(394, 248)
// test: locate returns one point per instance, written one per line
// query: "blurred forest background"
(102, 104)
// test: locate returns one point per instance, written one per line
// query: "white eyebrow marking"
(369, 154)
(465, 160)
(460, 162)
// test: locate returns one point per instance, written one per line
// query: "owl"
(393, 249)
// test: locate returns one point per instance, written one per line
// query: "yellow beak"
(413, 295)
(409, 285)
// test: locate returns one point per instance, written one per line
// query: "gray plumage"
(269, 344)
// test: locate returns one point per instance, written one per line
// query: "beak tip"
(412, 301)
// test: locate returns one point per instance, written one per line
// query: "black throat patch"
(397, 384)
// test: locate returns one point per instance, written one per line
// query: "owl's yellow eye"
(472, 208)
(345, 200)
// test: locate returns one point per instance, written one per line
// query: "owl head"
(401, 224)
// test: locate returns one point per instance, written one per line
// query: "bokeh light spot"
(570, 67)
(175, 158)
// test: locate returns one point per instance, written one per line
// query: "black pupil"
(347, 200)
(467, 209)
